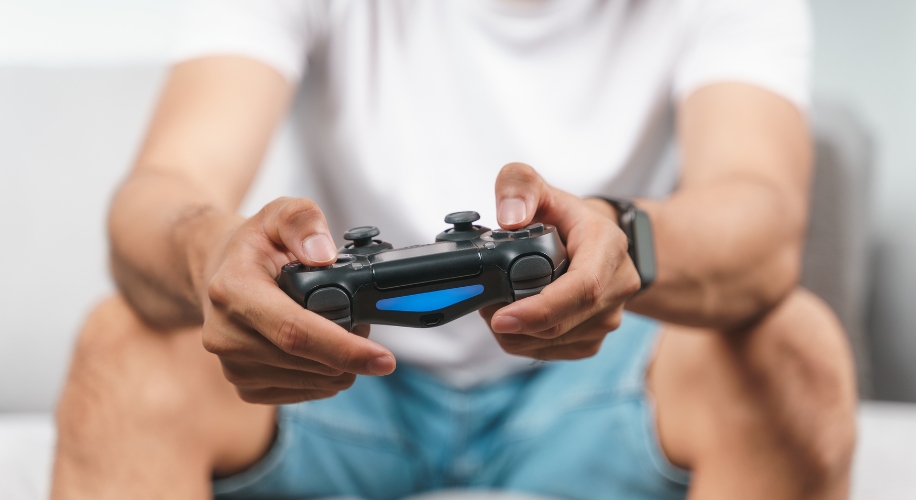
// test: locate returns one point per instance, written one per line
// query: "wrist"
(636, 225)
(203, 232)
(604, 208)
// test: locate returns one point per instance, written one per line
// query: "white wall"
(77, 79)
(85, 32)
(866, 55)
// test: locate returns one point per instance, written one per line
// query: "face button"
(343, 260)
(536, 228)
(500, 234)
(294, 266)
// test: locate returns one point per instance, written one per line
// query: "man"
(740, 387)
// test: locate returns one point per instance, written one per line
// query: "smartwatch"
(641, 247)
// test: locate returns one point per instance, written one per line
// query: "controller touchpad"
(425, 264)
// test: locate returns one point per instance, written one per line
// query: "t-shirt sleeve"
(278, 33)
(766, 43)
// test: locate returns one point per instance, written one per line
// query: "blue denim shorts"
(575, 429)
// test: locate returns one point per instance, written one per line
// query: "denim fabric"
(576, 430)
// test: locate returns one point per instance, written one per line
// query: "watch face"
(644, 247)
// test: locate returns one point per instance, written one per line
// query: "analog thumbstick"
(361, 236)
(463, 221)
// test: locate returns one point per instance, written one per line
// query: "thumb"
(519, 194)
(298, 225)
(522, 195)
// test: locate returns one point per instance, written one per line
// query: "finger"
(232, 342)
(279, 396)
(519, 191)
(522, 195)
(600, 275)
(299, 226)
(361, 330)
(579, 350)
(247, 375)
(261, 305)
(487, 312)
(594, 328)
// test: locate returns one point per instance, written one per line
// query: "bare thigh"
(764, 412)
(148, 414)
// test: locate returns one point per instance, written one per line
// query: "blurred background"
(78, 79)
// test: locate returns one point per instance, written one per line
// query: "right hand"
(272, 349)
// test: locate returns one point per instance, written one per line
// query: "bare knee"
(120, 373)
(806, 364)
(780, 394)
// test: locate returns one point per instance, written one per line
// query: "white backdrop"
(78, 79)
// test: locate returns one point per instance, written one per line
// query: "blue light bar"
(429, 301)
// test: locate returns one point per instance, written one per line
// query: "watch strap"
(637, 227)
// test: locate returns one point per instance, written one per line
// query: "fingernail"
(506, 324)
(511, 211)
(382, 365)
(319, 248)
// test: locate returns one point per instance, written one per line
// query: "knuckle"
(632, 283)
(345, 381)
(611, 322)
(520, 172)
(298, 210)
(511, 344)
(542, 319)
(557, 341)
(592, 291)
(290, 337)
(330, 371)
(214, 342)
(319, 394)
(551, 333)
(621, 244)
(234, 377)
(218, 290)
(307, 382)
(346, 358)
(252, 396)
(590, 349)
(275, 205)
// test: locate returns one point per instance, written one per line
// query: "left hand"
(570, 317)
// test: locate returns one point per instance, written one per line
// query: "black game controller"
(422, 286)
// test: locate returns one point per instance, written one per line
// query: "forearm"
(729, 240)
(726, 253)
(162, 230)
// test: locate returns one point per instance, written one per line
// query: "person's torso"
(411, 108)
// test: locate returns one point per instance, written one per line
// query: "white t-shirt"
(411, 107)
